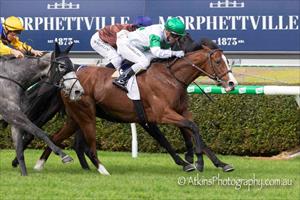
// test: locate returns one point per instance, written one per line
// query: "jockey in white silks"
(146, 43)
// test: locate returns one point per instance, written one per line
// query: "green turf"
(150, 176)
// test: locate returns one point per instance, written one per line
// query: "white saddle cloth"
(132, 87)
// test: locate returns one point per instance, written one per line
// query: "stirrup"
(119, 85)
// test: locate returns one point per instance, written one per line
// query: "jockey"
(104, 40)
(9, 32)
(144, 44)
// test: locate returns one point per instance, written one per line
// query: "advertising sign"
(235, 25)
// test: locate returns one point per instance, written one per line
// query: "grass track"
(150, 176)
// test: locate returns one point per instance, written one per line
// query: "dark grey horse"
(16, 75)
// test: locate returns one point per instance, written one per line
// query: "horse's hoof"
(227, 168)
(199, 167)
(189, 168)
(39, 166)
(67, 159)
(188, 158)
(102, 170)
(15, 163)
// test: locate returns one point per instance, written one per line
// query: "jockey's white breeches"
(129, 50)
(106, 51)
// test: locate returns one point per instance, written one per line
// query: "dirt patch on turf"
(285, 155)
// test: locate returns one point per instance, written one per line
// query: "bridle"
(214, 76)
(54, 63)
(61, 76)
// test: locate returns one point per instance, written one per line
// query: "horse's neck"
(183, 70)
(27, 70)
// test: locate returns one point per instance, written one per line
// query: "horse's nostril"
(231, 84)
(77, 92)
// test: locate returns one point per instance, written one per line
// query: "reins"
(12, 80)
(214, 77)
(41, 80)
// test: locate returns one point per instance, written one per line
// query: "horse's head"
(62, 71)
(215, 66)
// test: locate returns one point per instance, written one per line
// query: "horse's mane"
(209, 43)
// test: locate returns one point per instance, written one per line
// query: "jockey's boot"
(110, 65)
(122, 80)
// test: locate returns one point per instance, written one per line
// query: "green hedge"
(235, 124)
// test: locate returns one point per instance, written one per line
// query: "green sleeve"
(154, 40)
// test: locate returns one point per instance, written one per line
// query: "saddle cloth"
(132, 86)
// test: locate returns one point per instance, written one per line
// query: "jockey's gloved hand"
(36, 52)
(178, 54)
(17, 53)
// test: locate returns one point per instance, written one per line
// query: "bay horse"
(16, 75)
(45, 103)
(163, 93)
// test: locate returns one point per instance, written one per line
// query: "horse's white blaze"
(39, 165)
(102, 170)
(72, 86)
(231, 77)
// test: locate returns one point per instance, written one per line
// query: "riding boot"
(122, 80)
(110, 65)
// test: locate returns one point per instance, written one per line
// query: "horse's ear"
(205, 47)
(67, 50)
(57, 49)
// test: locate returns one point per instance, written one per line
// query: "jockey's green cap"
(175, 26)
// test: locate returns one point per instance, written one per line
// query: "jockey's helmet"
(175, 26)
(13, 23)
(142, 21)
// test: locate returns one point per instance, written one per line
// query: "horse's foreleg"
(18, 142)
(81, 147)
(215, 160)
(18, 119)
(189, 155)
(172, 117)
(68, 129)
(89, 132)
(27, 138)
(187, 136)
(210, 154)
(40, 121)
(154, 131)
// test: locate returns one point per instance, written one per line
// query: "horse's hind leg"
(154, 131)
(18, 142)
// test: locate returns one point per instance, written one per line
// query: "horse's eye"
(218, 62)
(61, 67)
